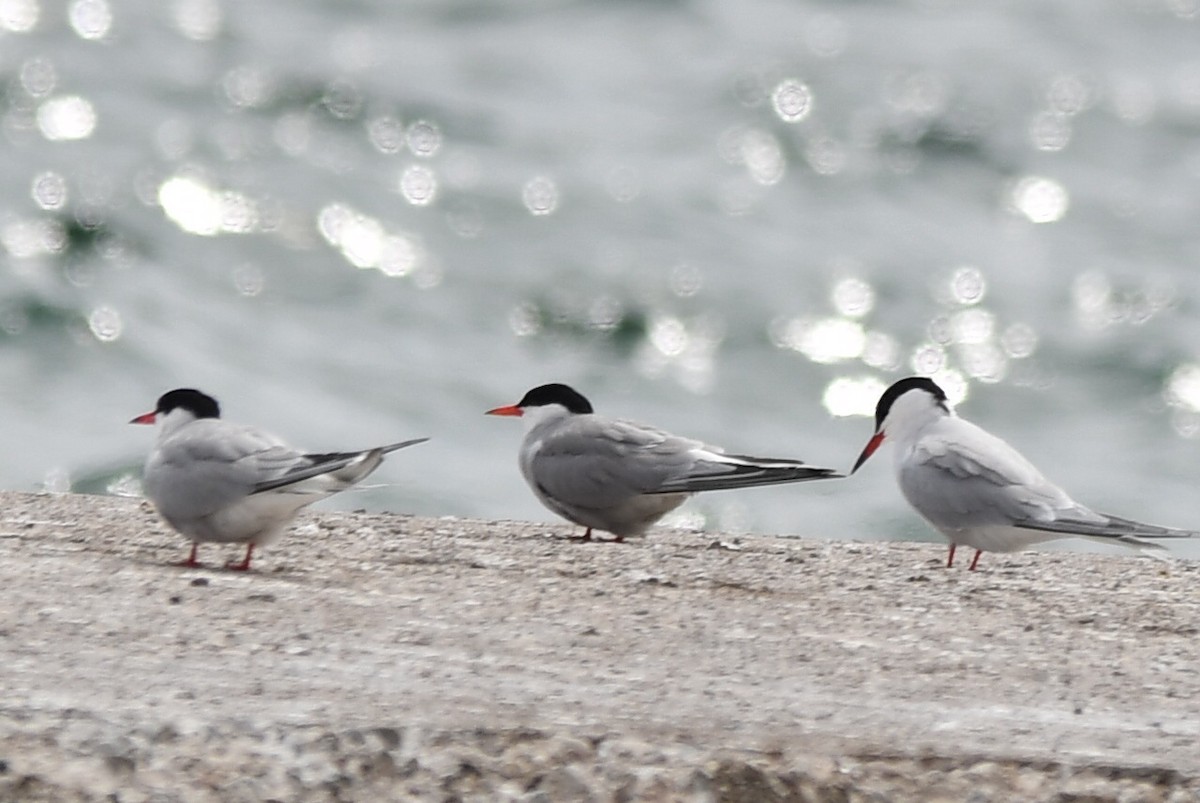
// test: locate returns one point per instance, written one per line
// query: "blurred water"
(354, 222)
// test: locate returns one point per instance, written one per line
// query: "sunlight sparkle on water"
(1069, 94)
(686, 349)
(343, 99)
(386, 134)
(824, 340)
(848, 395)
(198, 20)
(90, 19)
(1181, 391)
(605, 313)
(191, 204)
(755, 149)
(67, 117)
(881, 351)
(366, 243)
(248, 87)
(967, 286)
(1050, 131)
(540, 196)
(105, 323)
(792, 100)
(31, 237)
(249, 280)
(972, 326)
(418, 185)
(199, 209)
(1091, 294)
(983, 361)
(826, 156)
(49, 190)
(953, 383)
(424, 138)
(928, 358)
(763, 157)
(19, 16)
(686, 280)
(525, 320)
(669, 335)
(1098, 303)
(1040, 199)
(38, 76)
(853, 297)
(1183, 387)
(1019, 340)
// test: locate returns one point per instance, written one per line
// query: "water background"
(356, 222)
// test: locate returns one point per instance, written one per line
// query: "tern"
(621, 476)
(216, 481)
(978, 491)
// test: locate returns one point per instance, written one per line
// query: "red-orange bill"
(144, 418)
(510, 409)
(868, 450)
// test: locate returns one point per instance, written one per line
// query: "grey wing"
(594, 462)
(968, 477)
(213, 464)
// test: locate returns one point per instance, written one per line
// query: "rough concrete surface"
(386, 657)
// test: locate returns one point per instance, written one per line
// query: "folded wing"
(596, 462)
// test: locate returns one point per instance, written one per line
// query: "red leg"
(191, 562)
(244, 566)
(587, 536)
(975, 560)
(950, 561)
(620, 539)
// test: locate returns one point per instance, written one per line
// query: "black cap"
(556, 393)
(903, 386)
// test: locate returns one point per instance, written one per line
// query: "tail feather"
(392, 447)
(346, 468)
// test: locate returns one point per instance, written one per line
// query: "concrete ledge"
(384, 657)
